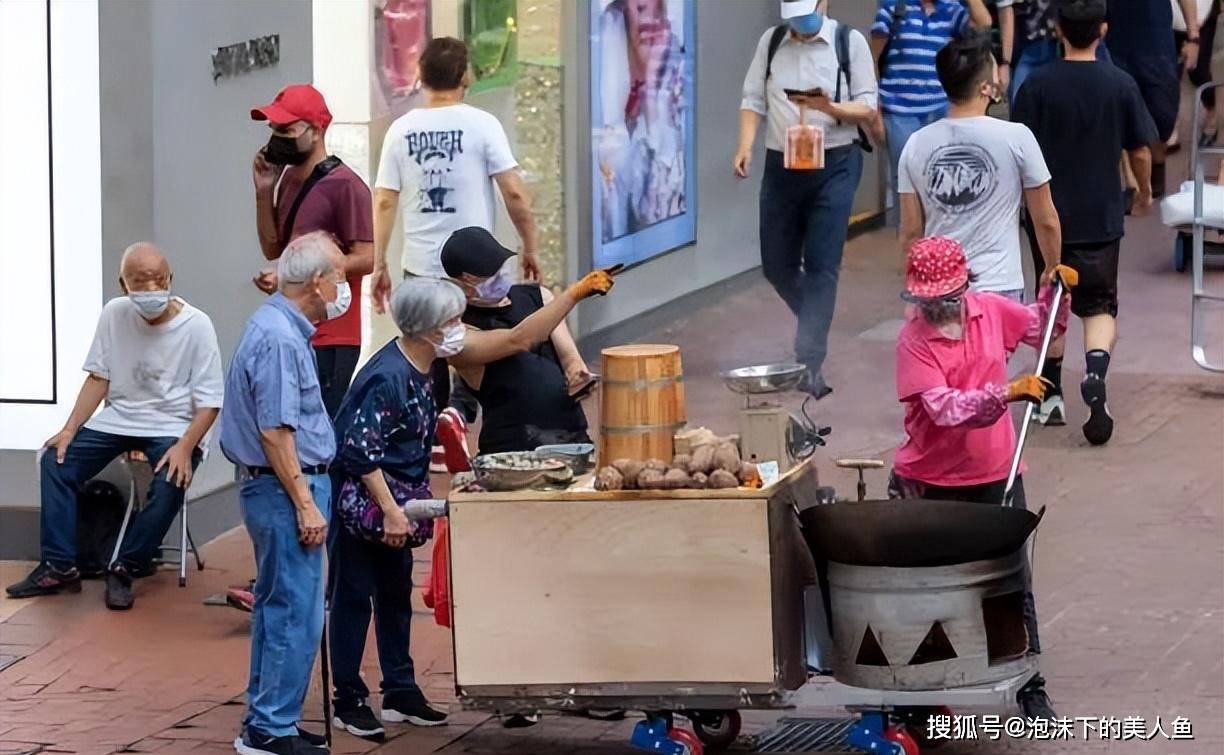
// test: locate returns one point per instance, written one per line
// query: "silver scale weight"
(769, 431)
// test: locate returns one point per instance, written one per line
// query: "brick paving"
(1129, 564)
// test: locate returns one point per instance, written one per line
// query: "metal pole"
(1028, 407)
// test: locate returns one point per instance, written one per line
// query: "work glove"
(1067, 275)
(1028, 388)
(595, 282)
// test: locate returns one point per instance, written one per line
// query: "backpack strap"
(325, 166)
(842, 45)
(775, 41)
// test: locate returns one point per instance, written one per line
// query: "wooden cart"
(686, 600)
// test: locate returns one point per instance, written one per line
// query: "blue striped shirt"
(911, 85)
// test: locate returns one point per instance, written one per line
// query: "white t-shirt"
(441, 161)
(159, 374)
(970, 175)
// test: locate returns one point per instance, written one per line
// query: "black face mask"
(284, 150)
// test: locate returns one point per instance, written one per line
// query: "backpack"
(841, 45)
(100, 510)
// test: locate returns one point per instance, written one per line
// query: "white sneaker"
(1052, 412)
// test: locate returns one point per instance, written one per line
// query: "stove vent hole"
(1006, 636)
(870, 653)
(935, 647)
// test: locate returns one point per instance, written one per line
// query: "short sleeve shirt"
(970, 175)
(339, 204)
(911, 84)
(957, 456)
(441, 161)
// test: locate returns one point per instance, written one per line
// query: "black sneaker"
(1034, 701)
(520, 720)
(254, 742)
(815, 387)
(414, 710)
(119, 589)
(357, 719)
(312, 739)
(45, 579)
(1098, 428)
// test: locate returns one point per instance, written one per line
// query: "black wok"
(909, 533)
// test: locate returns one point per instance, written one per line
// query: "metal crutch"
(1059, 291)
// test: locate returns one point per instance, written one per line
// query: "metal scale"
(769, 431)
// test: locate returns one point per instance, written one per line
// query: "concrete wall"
(727, 217)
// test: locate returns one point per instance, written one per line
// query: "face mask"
(151, 304)
(809, 24)
(491, 292)
(284, 150)
(344, 297)
(452, 341)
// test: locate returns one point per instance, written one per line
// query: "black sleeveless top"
(524, 398)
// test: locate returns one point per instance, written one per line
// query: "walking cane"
(325, 672)
(1059, 291)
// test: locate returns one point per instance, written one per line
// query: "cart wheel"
(897, 733)
(1181, 253)
(916, 720)
(692, 745)
(717, 729)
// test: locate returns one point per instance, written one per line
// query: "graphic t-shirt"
(159, 374)
(1083, 115)
(970, 175)
(441, 161)
(339, 204)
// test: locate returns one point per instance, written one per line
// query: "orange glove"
(1028, 388)
(1067, 275)
(595, 282)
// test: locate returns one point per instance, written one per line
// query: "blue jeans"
(287, 620)
(899, 127)
(805, 215)
(365, 578)
(87, 455)
(1035, 54)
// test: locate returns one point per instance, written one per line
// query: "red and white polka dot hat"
(936, 267)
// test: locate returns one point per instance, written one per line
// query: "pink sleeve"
(1026, 323)
(949, 407)
(917, 370)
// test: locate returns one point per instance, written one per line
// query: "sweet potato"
(699, 480)
(609, 478)
(675, 479)
(721, 478)
(658, 464)
(650, 479)
(629, 469)
(727, 458)
(703, 460)
(681, 461)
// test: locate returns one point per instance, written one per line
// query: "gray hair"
(420, 305)
(305, 257)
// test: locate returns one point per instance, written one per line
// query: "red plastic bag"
(437, 593)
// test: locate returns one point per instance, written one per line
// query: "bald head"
(308, 257)
(143, 267)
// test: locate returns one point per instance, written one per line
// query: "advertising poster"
(401, 31)
(644, 200)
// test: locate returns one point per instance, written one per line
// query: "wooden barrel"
(643, 402)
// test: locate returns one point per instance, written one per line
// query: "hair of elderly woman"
(305, 257)
(420, 305)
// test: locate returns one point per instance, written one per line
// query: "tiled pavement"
(1129, 566)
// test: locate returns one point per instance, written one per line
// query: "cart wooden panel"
(652, 593)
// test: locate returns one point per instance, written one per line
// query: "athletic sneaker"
(357, 719)
(412, 709)
(254, 742)
(1034, 701)
(1098, 428)
(1052, 412)
(119, 588)
(45, 579)
(312, 739)
(520, 720)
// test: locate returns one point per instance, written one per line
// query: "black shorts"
(1097, 265)
(1159, 80)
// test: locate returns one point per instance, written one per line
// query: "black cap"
(1081, 10)
(474, 251)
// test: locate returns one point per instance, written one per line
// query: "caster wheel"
(692, 745)
(1181, 253)
(917, 724)
(182, 582)
(897, 733)
(717, 729)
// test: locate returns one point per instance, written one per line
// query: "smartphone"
(813, 92)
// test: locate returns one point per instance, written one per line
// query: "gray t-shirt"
(970, 175)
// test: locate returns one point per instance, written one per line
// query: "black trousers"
(336, 365)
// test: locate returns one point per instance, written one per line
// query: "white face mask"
(452, 341)
(491, 292)
(151, 304)
(344, 297)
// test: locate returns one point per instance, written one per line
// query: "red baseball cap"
(296, 102)
(936, 267)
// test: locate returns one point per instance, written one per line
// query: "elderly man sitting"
(276, 429)
(156, 362)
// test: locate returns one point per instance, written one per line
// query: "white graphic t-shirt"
(441, 161)
(970, 175)
(159, 374)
